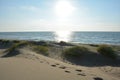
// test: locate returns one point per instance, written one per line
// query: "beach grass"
(76, 51)
(41, 49)
(4, 42)
(17, 45)
(107, 51)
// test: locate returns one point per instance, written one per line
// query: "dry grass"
(17, 45)
(75, 51)
(41, 49)
(107, 51)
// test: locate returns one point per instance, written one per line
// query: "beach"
(19, 61)
(59, 39)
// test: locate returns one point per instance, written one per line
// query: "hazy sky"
(51, 15)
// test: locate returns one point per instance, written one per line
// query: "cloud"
(31, 8)
(28, 8)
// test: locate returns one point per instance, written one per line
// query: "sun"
(63, 8)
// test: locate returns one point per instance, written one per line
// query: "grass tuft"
(41, 49)
(17, 45)
(76, 51)
(107, 51)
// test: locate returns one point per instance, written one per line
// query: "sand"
(28, 65)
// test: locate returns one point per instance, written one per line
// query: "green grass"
(41, 50)
(16, 41)
(76, 51)
(107, 51)
(4, 41)
(17, 45)
(117, 48)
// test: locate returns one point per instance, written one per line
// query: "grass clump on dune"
(12, 51)
(17, 45)
(41, 49)
(4, 41)
(76, 51)
(107, 51)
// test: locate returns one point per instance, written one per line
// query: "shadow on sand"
(11, 54)
(93, 60)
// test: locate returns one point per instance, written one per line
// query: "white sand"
(31, 66)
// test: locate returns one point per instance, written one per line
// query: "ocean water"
(75, 37)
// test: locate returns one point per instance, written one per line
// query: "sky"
(64, 15)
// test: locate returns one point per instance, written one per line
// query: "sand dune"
(27, 65)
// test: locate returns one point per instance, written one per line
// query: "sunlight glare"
(63, 35)
(63, 8)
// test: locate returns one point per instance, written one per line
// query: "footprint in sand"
(78, 70)
(97, 78)
(106, 69)
(62, 67)
(81, 74)
(53, 65)
(67, 71)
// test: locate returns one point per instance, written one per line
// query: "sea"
(74, 37)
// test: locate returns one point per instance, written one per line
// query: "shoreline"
(70, 42)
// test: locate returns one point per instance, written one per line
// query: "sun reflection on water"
(63, 36)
